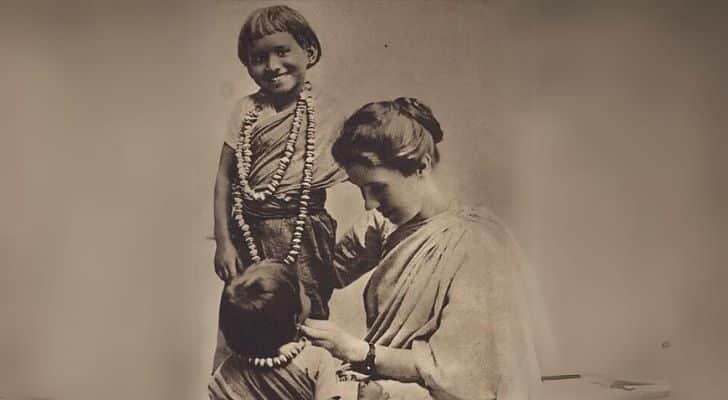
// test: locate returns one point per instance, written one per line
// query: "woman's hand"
(339, 343)
(371, 391)
(227, 261)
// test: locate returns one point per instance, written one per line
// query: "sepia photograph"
(376, 200)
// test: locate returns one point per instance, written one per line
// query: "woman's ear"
(425, 165)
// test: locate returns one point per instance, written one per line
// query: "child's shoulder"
(324, 97)
(314, 355)
(329, 101)
(247, 102)
(315, 360)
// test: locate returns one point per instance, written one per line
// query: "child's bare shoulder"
(245, 103)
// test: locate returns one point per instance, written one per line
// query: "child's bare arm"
(227, 261)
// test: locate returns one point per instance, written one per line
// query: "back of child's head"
(275, 19)
(259, 309)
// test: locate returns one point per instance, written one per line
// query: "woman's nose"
(370, 203)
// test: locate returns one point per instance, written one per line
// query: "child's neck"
(282, 101)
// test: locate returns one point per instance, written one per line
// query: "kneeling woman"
(445, 312)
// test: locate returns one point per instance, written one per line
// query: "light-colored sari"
(449, 289)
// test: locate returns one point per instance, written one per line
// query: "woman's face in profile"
(397, 197)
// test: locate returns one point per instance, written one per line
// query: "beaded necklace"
(243, 154)
(286, 353)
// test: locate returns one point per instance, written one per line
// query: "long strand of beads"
(305, 196)
(244, 160)
(244, 154)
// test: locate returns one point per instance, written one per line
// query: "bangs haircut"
(275, 19)
(393, 134)
(258, 309)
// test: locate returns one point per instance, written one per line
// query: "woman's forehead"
(362, 175)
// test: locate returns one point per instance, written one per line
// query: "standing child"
(276, 163)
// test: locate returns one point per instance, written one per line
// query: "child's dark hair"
(274, 19)
(259, 308)
(394, 134)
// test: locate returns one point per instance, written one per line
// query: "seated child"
(259, 314)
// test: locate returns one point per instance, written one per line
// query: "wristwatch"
(366, 366)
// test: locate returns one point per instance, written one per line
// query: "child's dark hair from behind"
(260, 308)
(269, 20)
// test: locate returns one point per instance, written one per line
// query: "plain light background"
(594, 130)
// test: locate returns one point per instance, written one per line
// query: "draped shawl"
(449, 288)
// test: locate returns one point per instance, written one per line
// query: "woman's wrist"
(367, 366)
(359, 351)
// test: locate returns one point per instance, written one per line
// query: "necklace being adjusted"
(243, 154)
(286, 353)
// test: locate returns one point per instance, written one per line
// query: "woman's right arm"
(227, 261)
(359, 249)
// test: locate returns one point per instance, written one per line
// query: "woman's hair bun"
(420, 113)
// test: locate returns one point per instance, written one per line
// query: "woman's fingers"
(319, 324)
(321, 343)
(313, 333)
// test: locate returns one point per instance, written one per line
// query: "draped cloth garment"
(449, 288)
(309, 376)
(272, 222)
(268, 144)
